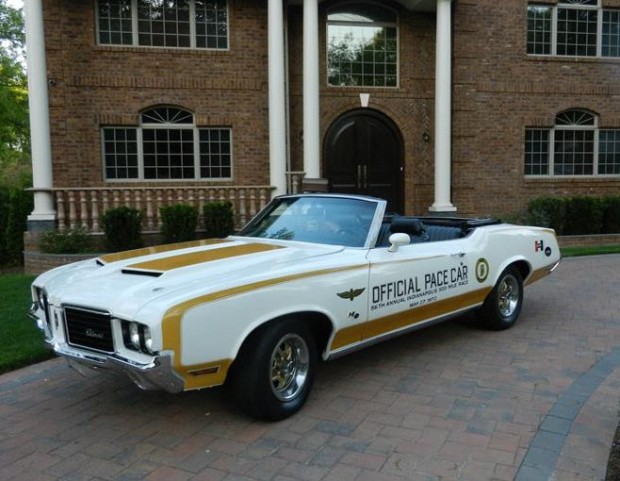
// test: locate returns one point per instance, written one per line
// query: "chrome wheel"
(508, 296)
(290, 365)
(502, 306)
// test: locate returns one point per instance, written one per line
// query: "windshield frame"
(371, 234)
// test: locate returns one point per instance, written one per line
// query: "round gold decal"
(482, 270)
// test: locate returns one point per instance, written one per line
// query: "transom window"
(362, 46)
(163, 23)
(577, 28)
(166, 145)
(575, 146)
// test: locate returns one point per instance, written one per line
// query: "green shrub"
(20, 206)
(178, 223)
(584, 215)
(4, 217)
(547, 212)
(219, 218)
(72, 241)
(611, 215)
(122, 227)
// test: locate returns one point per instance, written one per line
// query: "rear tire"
(273, 374)
(503, 305)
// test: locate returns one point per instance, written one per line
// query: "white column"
(277, 112)
(312, 142)
(443, 106)
(41, 150)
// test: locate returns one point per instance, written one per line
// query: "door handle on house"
(359, 176)
(365, 179)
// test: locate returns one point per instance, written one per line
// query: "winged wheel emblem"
(351, 293)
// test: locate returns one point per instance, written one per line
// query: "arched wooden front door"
(363, 154)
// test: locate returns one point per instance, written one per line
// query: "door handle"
(365, 177)
(359, 176)
(458, 254)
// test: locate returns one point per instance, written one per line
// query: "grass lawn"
(21, 343)
(589, 251)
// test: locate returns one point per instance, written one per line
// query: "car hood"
(124, 282)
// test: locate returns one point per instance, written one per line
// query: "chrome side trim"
(391, 335)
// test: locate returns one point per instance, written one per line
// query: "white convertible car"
(310, 277)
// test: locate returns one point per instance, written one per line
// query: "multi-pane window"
(576, 28)
(167, 145)
(539, 29)
(609, 152)
(120, 153)
(163, 23)
(573, 147)
(362, 46)
(536, 151)
(611, 33)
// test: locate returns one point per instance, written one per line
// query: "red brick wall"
(98, 85)
(498, 92)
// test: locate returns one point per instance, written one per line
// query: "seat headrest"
(407, 226)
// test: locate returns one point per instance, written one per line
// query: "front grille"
(89, 329)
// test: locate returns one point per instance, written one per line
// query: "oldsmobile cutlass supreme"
(310, 277)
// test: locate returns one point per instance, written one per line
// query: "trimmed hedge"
(178, 223)
(580, 215)
(611, 215)
(15, 205)
(72, 241)
(547, 212)
(122, 227)
(219, 219)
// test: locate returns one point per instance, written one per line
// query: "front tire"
(503, 305)
(273, 375)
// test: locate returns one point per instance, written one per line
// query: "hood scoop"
(137, 272)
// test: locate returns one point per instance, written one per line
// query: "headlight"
(134, 335)
(148, 340)
(137, 337)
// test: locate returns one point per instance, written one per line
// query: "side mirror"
(397, 240)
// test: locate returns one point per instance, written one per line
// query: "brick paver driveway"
(537, 402)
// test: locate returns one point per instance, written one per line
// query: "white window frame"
(395, 25)
(554, 29)
(551, 149)
(192, 30)
(167, 126)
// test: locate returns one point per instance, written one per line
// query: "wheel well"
(319, 323)
(523, 267)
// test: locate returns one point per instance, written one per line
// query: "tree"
(14, 129)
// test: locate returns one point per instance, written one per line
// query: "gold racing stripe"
(384, 325)
(193, 258)
(538, 275)
(171, 326)
(122, 256)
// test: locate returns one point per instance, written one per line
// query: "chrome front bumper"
(155, 376)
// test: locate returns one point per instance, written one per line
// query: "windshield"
(322, 220)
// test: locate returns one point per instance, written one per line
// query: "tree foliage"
(14, 129)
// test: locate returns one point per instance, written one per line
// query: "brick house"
(473, 106)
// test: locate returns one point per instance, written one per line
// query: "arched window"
(575, 146)
(167, 145)
(362, 46)
(573, 143)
